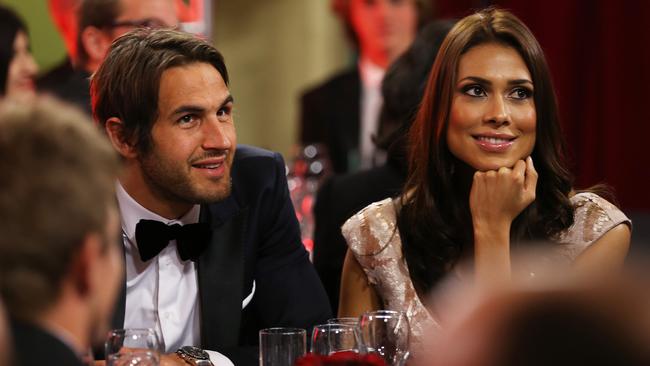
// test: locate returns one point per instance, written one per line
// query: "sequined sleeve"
(594, 216)
(374, 239)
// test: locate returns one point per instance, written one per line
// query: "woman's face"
(492, 120)
(22, 69)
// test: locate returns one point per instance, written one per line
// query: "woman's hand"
(497, 197)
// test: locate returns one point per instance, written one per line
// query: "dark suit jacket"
(338, 199)
(330, 115)
(255, 237)
(67, 84)
(34, 346)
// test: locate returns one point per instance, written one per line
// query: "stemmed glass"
(386, 333)
(132, 347)
(331, 338)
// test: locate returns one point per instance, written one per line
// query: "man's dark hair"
(127, 83)
(95, 13)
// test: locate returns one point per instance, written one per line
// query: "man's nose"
(215, 136)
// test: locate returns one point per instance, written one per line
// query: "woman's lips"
(493, 143)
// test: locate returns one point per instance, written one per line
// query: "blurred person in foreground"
(60, 265)
(549, 322)
(343, 195)
(212, 243)
(17, 66)
(343, 112)
(99, 23)
(486, 175)
(5, 339)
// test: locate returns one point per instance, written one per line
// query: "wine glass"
(133, 340)
(386, 332)
(331, 338)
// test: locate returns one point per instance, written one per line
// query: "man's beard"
(173, 183)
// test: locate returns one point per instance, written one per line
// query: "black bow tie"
(153, 236)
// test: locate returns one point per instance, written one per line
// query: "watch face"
(195, 352)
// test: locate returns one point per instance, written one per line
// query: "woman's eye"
(521, 93)
(474, 91)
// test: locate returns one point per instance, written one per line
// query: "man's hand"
(172, 359)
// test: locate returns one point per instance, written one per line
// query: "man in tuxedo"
(60, 265)
(98, 23)
(212, 244)
(342, 113)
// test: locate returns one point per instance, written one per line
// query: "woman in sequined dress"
(486, 172)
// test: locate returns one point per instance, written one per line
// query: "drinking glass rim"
(384, 313)
(335, 325)
(343, 320)
(283, 331)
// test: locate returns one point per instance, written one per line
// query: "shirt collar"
(371, 74)
(131, 212)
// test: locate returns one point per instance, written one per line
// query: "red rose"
(341, 359)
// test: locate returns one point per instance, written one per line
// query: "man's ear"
(96, 44)
(115, 131)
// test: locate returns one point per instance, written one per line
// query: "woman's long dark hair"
(10, 25)
(434, 218)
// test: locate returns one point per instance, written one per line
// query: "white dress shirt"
(162, 293)
(371, 101)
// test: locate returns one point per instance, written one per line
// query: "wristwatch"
(194, 356)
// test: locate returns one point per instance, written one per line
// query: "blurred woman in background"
(17, 66)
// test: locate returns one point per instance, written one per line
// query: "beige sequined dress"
(373, 238)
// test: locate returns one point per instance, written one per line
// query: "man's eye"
(474, 91)
(186, 119)
(224, 112)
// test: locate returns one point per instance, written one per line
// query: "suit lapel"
(221, 277)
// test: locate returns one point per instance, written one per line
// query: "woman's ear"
(115, 132)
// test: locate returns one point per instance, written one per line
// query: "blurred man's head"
(59, 250)
(102, 21)
(382, 29)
